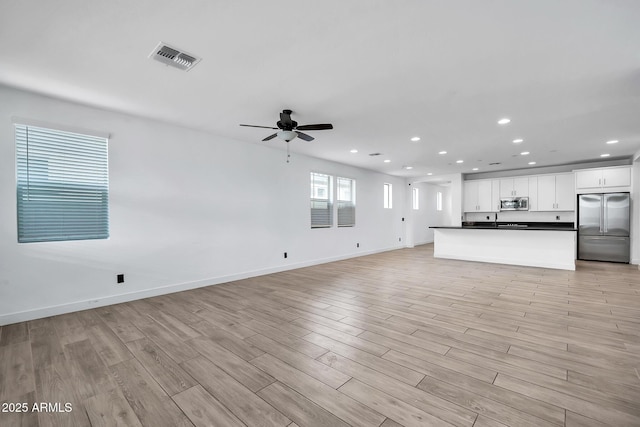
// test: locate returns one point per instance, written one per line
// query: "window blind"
(62, 185)
(346, 202)
(321, 205)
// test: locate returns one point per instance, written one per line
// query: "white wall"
(427, 216)
(187, 209)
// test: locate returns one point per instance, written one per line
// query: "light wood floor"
(392, 339)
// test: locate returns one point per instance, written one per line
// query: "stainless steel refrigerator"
(603, 227)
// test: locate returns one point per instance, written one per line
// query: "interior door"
(616, 214)
(589, 211)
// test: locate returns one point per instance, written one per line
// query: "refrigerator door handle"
(605, 215)
(603, 238)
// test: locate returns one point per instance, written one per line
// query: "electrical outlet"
(285, 254)
(120, 278)
(557, 217)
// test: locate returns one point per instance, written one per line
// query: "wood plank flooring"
(393, 339)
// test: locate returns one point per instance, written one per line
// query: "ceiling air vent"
(375, 154)
(174, 57)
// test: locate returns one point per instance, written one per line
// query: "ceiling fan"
(289, 128)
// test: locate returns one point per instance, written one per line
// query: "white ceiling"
(566, 72)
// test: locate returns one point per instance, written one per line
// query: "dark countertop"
(536, 226)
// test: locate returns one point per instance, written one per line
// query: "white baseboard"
(497, 260)
(38, 313)
(424, 242)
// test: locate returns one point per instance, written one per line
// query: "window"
(439, 201)
(321, 202)
(388, 196)
(62, 185)
(346, 201)
(416, 198)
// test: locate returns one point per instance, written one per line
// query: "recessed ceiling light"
(474, 169)
(408, 167)
(459, 161)
(605, 155)
(442, 152)
(415, 139)
(613, 141)
(387, 161)
(354, 151)
(430, 174)
(518, 141)
(504, 121)
(532, 163)
(524, 153)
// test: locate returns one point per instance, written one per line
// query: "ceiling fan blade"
(270, 137)
(304, 136)
(285, 119)
(256, 126)
(322, 126)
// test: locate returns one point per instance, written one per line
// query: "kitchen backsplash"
(521, 216)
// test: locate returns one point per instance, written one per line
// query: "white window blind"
(62, 185)
(321, 201)
(346, 202)
(387, 196)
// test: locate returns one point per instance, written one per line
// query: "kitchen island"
(527, 245)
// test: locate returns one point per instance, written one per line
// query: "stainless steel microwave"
(514, 204)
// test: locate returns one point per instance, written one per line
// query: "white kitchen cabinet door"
(478, 196)
(470, 196)
(521, 187)
(533, 193)
(599, 179)
(547, 193)
(506, 188)
(514, 187)
(484, 196)
(616, 177)
(565, 192)
(591, 178)
(495, 195)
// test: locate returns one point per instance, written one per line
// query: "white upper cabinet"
(556, 192)
(514, 187)
(470, 196)
(484, 196)
(533, 193)
(546, 193)
(565, 192)
(618, 178)
(478, 196)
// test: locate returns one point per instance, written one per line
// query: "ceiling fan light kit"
(287, 135)
(289, 128)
